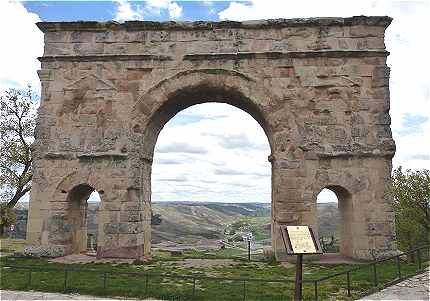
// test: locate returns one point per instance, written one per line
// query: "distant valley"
(203, 222)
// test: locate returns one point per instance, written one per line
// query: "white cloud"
(181, 147)
(175, 11)
(159, 3)
(157, 6)
(409, 61)
(126, 12)
(267, 9)
(209, 4)
(232, 173)
(326, 196)
(22, 43)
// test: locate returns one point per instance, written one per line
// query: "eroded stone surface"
(318, 87)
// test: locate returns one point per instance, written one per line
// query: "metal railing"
(193, 294)
(146, 277)
(373, 265)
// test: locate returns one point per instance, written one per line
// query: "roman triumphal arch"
(318, 87)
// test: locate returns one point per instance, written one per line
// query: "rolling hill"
(202, 222)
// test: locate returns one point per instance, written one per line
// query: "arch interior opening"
(84, 203)
(334, 210)
(211, 180)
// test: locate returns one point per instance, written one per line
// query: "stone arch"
(293, 92)
(67, 225)
(345, 207)
(172, 95)
(76, 215)
(187, 88)
(75, 178)
(348, 188)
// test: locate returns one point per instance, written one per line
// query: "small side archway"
(69, 226)
(77, 216)
(345, 212)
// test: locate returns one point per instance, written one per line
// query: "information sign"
(300, 240)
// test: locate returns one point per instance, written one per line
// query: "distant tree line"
(411, 192)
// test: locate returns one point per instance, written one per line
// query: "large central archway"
(210, 169)
(184, 90)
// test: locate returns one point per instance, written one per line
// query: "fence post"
(194, 286)
(65, 279)
(419, 259)
(375, 276)
(29, 278)
(399, 273)
(316, 290)
(104, 281)
(348, 283)
(146, 284)
(244, 290)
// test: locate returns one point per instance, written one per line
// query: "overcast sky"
(215, 152)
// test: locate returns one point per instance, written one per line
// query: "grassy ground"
(118, 283)
(258, 226)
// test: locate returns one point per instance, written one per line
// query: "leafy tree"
(7, 217)
(155, 219)
(17, 121)
(411, 191)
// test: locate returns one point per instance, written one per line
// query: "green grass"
(256, 225)
(118, 283)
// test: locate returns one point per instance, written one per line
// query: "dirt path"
(82, 258)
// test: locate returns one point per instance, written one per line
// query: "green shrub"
(7, 217)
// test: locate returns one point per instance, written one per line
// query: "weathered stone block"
(111, 228)
(381, 76)
(130, 228)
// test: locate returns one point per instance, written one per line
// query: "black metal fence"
(146, 280)
(377, 284)
(245, 288)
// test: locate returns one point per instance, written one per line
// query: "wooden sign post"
(299, 240)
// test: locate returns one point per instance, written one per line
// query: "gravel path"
(415, 288)
(32, 295)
